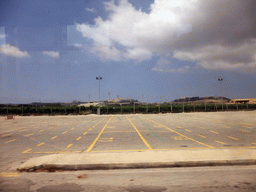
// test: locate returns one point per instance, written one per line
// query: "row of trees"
(118, 109)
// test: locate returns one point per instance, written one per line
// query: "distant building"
(249, 101)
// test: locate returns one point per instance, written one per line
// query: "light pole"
(220, 80)
(99, 78)
(147, 103)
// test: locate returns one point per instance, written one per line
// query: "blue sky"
(52, 51)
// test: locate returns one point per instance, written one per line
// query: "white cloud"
(90, 10)
(78, 45)
(54, 54)
(2, 36)
(9, 50)
(207, 32)
(183, 69)
(222, 57)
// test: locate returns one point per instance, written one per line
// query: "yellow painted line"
(225, 126)
(6, 135)
(93, 126)
(244, 130)
(232, 138)
(26, 151)
(105, 141)
(185, 136)
(201, 127)
(40, 144)
(54, 137)
(122, 150)
(29, 134)
(201, 135)
(4, 174)
(85, 133)
(56, 152)
(41, 130)
(179, 127)
(91, 146)
(10, 141)
(220, 142)
(214, 132)
(248, 127)
(90, 129)
(107, 138)
(146, 143)
(245, 123)
(72, 128)
(78, 138)
(69, 145)
(188, 130)
(64, 132)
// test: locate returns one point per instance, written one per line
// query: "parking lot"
(91, 133)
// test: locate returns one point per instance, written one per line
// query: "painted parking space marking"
(220, 142)
(189, 138)
(5, 174)
(179, 138)
(27, 151)
(201, 135)
(64, 132)
(245, 130)
(40, 144)
(248, 127)
(69, 145)
(179, 127)
(232, 138)
(85, 133)
(78, 138)
(41, 130)
(10, 141)
(54, 137)
(142, 138)
(92, 145)
(158, 126)
(188, 130)
(106, 139)
(72, 128)
(214, 132)
(7, 135)
(154, 132)
(226, 126)
(29, 134)
(201, 127)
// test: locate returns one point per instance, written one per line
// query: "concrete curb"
(135, 160)
(56, 167)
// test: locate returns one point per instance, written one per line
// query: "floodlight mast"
(220, 80)
(99, 78)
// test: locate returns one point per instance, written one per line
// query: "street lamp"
(99, 78)
(220, 80)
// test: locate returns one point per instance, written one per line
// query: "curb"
(56, 167)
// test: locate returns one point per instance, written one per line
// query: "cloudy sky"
(52, 51)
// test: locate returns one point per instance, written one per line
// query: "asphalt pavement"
(128, 141)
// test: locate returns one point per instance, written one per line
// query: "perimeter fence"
(27, 110)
